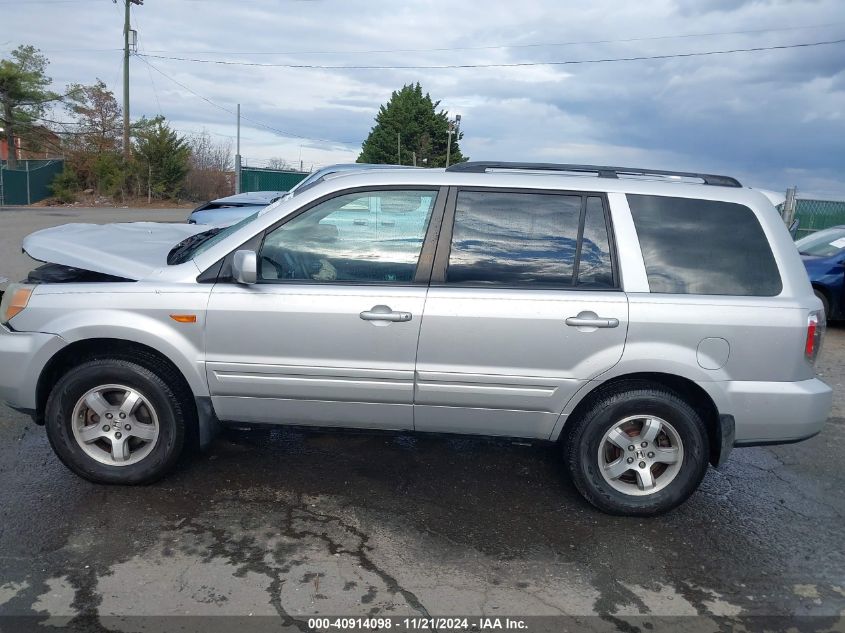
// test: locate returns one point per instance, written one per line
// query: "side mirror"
(245, 267)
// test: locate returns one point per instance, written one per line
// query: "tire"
(75, 417)
(825, 303)
(632, 408)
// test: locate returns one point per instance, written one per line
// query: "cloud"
(772, 119)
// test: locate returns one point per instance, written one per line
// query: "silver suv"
(645, 321)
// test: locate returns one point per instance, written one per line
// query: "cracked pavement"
(290, 524)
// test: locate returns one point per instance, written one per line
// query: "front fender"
(143, 318)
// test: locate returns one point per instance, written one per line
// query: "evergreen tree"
(163, 155)
(23, 95)
(410, 123)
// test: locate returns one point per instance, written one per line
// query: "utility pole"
(126, 31)
(398, 148)
(789, 206)
(238, 155)
(454, 128)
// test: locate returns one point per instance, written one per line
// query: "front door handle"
(384, 313)
(591, 319)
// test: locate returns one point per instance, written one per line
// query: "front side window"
(705, 247)
(369, 237)
(529, 239)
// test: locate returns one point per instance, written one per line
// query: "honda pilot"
(647, 322)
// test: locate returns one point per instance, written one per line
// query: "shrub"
(64, 186)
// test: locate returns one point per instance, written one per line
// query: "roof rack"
(478, 167)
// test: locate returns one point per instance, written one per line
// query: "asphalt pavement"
(275, 527)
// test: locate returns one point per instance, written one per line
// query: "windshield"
(201, 242)
(823, 243)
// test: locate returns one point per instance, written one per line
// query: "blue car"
(823, 253)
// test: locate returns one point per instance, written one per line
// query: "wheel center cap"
(640, 454)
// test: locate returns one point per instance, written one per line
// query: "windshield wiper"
(179, 253)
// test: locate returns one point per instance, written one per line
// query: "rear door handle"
(591, 319)
(384, 313)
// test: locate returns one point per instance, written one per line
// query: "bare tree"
(211, 175)
(279, 163)
(93, 147)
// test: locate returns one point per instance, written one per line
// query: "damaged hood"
(129, 250)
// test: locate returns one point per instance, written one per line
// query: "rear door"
(525, 306)
(328, 335)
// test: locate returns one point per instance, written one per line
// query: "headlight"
(14, 301)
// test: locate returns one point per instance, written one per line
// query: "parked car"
(320, 175)
(603, 309)
(823, 254)
(230, 209)
(237, 210)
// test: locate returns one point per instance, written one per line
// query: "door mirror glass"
(245, 267)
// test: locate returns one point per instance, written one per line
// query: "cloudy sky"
(772, 118)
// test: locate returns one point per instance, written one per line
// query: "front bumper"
(773, 412)
(23, 356)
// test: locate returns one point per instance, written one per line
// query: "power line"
(567, 62)
(464, 48)
(232, 112)
(505, 46)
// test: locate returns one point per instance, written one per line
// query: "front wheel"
(639, 450)
(114, 421)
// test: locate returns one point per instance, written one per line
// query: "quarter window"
(528, 239)
(371, 237)
(704, 247)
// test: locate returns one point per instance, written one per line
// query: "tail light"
(816, 325)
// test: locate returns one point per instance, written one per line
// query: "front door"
(524, 307)
(328, 335)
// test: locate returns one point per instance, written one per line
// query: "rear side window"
(529, 239)
(703, 247)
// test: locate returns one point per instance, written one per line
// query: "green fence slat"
(255, 179)
(25, 186)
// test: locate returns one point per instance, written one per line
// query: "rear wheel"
(638, 450)
(114, 421)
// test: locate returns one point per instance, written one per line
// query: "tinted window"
(514, 239)
(594, 265)
(703, 247)
(360, 237)
(526, 239)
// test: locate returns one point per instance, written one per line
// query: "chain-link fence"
(29, 183)
(815, 215)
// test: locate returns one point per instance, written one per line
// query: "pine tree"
(23, 95)
(164, 154)
(409, 123)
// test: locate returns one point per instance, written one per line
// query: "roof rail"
(478, 167)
